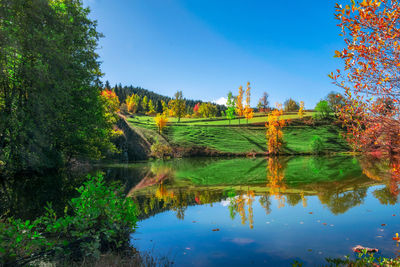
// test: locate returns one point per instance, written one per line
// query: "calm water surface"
(235, 212)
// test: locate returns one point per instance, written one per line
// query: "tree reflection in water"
(338, 186)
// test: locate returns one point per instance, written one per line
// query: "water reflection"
(339, 182)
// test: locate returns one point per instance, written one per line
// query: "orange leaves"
(274, 132)
(371, 66)
(161, 121)
(239, 102)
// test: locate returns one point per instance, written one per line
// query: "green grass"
(298, 139)
(261, 118)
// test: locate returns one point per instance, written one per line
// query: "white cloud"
(220, 101)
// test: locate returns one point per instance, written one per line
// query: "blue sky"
(209, 47)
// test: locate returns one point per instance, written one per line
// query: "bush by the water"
(160, 151)
(317, 145)
(100, 220)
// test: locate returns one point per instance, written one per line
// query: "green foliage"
(208, 110)
(317, 145)
(50, 103)
(323, 110)
(364, 259)
(178, 105)
(144, 104)
(230, 103)
(160, 151)
(99, 220)
(290, 105)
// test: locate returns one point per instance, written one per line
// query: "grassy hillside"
(220, 121)
(244, 139)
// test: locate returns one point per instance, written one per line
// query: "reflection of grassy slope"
(250, 139)
(307, 170)
(299, 171)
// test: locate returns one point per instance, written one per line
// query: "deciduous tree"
(290, 105)
(178, 105)
(161, 121)
(301, 110)
(51, 109)
(151, 111)
(230, 103)
(248, 111)
(274, 134)
(371, 71)
(132, 103)
(145, 102)
(264, 102)
(239, 103)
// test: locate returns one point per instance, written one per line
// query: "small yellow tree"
(239, 103)
(151, 108)
(161, 121)
(132, 103)
(248, 111)
(274, 133)
(301, 110)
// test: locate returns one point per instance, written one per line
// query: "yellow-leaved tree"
(132, 103)
(161, 121)
(239, 103)
(274, 133)
(248, 111)
(301, 110)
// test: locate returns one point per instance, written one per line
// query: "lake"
(273, 211)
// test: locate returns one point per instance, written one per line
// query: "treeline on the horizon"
(125, 91)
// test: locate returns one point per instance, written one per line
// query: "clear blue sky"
(209, 47)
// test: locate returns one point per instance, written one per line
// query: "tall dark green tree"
(50, 105)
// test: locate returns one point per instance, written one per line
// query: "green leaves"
(101, 219)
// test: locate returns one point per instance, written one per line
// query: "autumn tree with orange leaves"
(301, 110)
(239, 103)
(371, 30)
(161, 121)
(274, 134)
(248, 111)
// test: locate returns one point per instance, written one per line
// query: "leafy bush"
(364, 259)
(291, 105)
(323, 110)
(99, 220)
(317, 145)
(160, 151)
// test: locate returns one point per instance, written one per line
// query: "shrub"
(291, 105)
(160, 151)
(317, 146)
(99, 220)
(323, 110)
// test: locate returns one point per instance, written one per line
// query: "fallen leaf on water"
(379, 236)
(193, 221)
(396, 238)
(309, 250)
(394, 215)
(310, 212)
(215, 230)
(383, 224)
(188, 248)
(359, 249)
(324, 223)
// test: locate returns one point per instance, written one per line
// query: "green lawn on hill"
(298, 139)
(259, 118)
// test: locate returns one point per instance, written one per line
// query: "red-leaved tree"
(371, 75)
